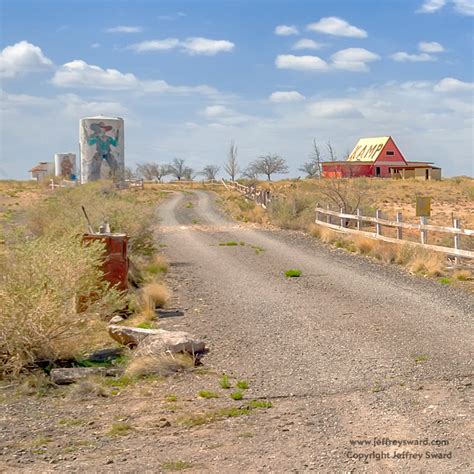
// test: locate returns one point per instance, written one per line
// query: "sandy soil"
(351, 352)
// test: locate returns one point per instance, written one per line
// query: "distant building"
(42, 171)
(379, 157)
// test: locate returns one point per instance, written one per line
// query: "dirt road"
(367, 368)
(350, 350)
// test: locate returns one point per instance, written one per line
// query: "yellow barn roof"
(368, 149)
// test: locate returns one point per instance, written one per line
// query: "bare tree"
(179, 170)
(270, 164)
(146, 170)
(189, 173)
(153, 171)
(313, 167)
(251, 171)
(210, 172)
(342, 193)
(231, 167)
(332, 154)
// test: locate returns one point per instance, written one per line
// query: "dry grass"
(154, 295)
(427, 263)
(159, 365)
(42, 281)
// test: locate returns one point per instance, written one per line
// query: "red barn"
(379, 157)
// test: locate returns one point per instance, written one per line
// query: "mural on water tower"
(65, 165)
(102, 148)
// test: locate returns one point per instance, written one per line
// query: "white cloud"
(301, 63)
(224, 117)
(15, 101)
(402, 56)
(21, 58)
(431, 6)
(430, 47)
(193, 46)
(162, 87)
(353, 59)
(286, 96)
(95, 45)
(216, 111)
(124, 29)
(334, 109)
(449, 84)
(465, 7)
(75, 106)
(307, 44)
(207, 47)
(337, 27)
(78, 73)
(286, 30)
(155, 45)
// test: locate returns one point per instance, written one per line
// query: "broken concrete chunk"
(156, 341)
(171, 341)
(74, 374)
(116, 319)
(128, 336)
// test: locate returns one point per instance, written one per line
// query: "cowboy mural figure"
(103, 143)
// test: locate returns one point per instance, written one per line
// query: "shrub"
(42, 283)
(61, 214)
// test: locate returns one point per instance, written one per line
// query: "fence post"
(457, 240)
(423, 233)
(358, 219)
(342, 219)
(399, 229)
(378, 227)
(328, 217)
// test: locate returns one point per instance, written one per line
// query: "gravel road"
(350, 350)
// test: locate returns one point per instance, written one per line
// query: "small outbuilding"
(381, 158)
(42, 171)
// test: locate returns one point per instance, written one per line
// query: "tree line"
(265, 165)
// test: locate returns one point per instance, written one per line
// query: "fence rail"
(130, 184)
(423, 227)
(263, 197)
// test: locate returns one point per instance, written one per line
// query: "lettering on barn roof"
(368, 149)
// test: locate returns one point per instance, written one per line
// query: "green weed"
(293, 273)
(224, 381)
(242, 384)
(176, 466)
(238, 395)
(420, 358)
(208, 394)
(119, 429)
(230, 243)
(260, 404)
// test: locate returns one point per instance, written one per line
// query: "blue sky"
(189, 77)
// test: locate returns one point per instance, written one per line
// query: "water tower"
(101, 142)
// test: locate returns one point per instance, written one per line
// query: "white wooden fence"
(263, 197)
(343, 219)
(130, 184)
